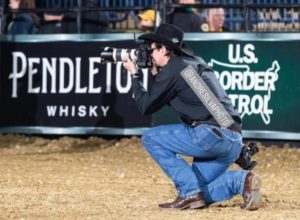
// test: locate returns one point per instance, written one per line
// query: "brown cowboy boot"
(251, 193)
(193, 202)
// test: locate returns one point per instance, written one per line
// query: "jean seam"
(191, 193)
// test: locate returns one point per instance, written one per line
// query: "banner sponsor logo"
(255, 87)
(64, 84)
(64, 75)
(77, 111)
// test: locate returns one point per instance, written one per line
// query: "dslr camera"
(141, 56)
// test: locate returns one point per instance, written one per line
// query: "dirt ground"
(95, 178)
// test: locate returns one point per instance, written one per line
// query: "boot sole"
(196, 205)
(256, 199)
(192, 205)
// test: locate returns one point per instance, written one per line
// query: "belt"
(236, 127)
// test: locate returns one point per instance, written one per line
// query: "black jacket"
(169, 88)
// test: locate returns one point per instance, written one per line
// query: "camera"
(244, 160)
(141, 56)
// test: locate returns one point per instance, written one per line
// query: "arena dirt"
(94, 178)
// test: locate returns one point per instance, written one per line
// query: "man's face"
(157, 55)
(218, 17)
(187, 1)
(147, 25)
(14, 4)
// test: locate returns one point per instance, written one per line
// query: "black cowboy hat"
(169, 35)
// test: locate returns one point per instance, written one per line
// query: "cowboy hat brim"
(165, 41)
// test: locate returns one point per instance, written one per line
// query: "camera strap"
(206, 96)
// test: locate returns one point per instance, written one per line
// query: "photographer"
(213, 148)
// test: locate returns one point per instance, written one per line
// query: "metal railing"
(241, 15)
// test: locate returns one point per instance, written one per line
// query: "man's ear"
(163, 50)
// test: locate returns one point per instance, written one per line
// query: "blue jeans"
(214, 149)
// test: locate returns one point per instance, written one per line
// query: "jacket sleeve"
(158, 94)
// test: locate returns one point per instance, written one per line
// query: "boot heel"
(251, 194)
(256, 183)
(256, 201)
(197, 204)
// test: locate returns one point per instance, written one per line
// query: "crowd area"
(26, 17)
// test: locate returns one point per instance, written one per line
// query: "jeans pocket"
(212, 140)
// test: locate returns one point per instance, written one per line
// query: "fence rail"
(241, 15)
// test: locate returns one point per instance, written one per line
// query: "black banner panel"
(64, 84)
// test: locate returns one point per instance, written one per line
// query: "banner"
(261, 74)
(57, 84)
(63, 84)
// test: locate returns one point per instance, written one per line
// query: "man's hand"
(154, 70)
(130, 66)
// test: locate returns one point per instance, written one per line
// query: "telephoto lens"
(107, 55)
(114, 55)
(140, 56)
